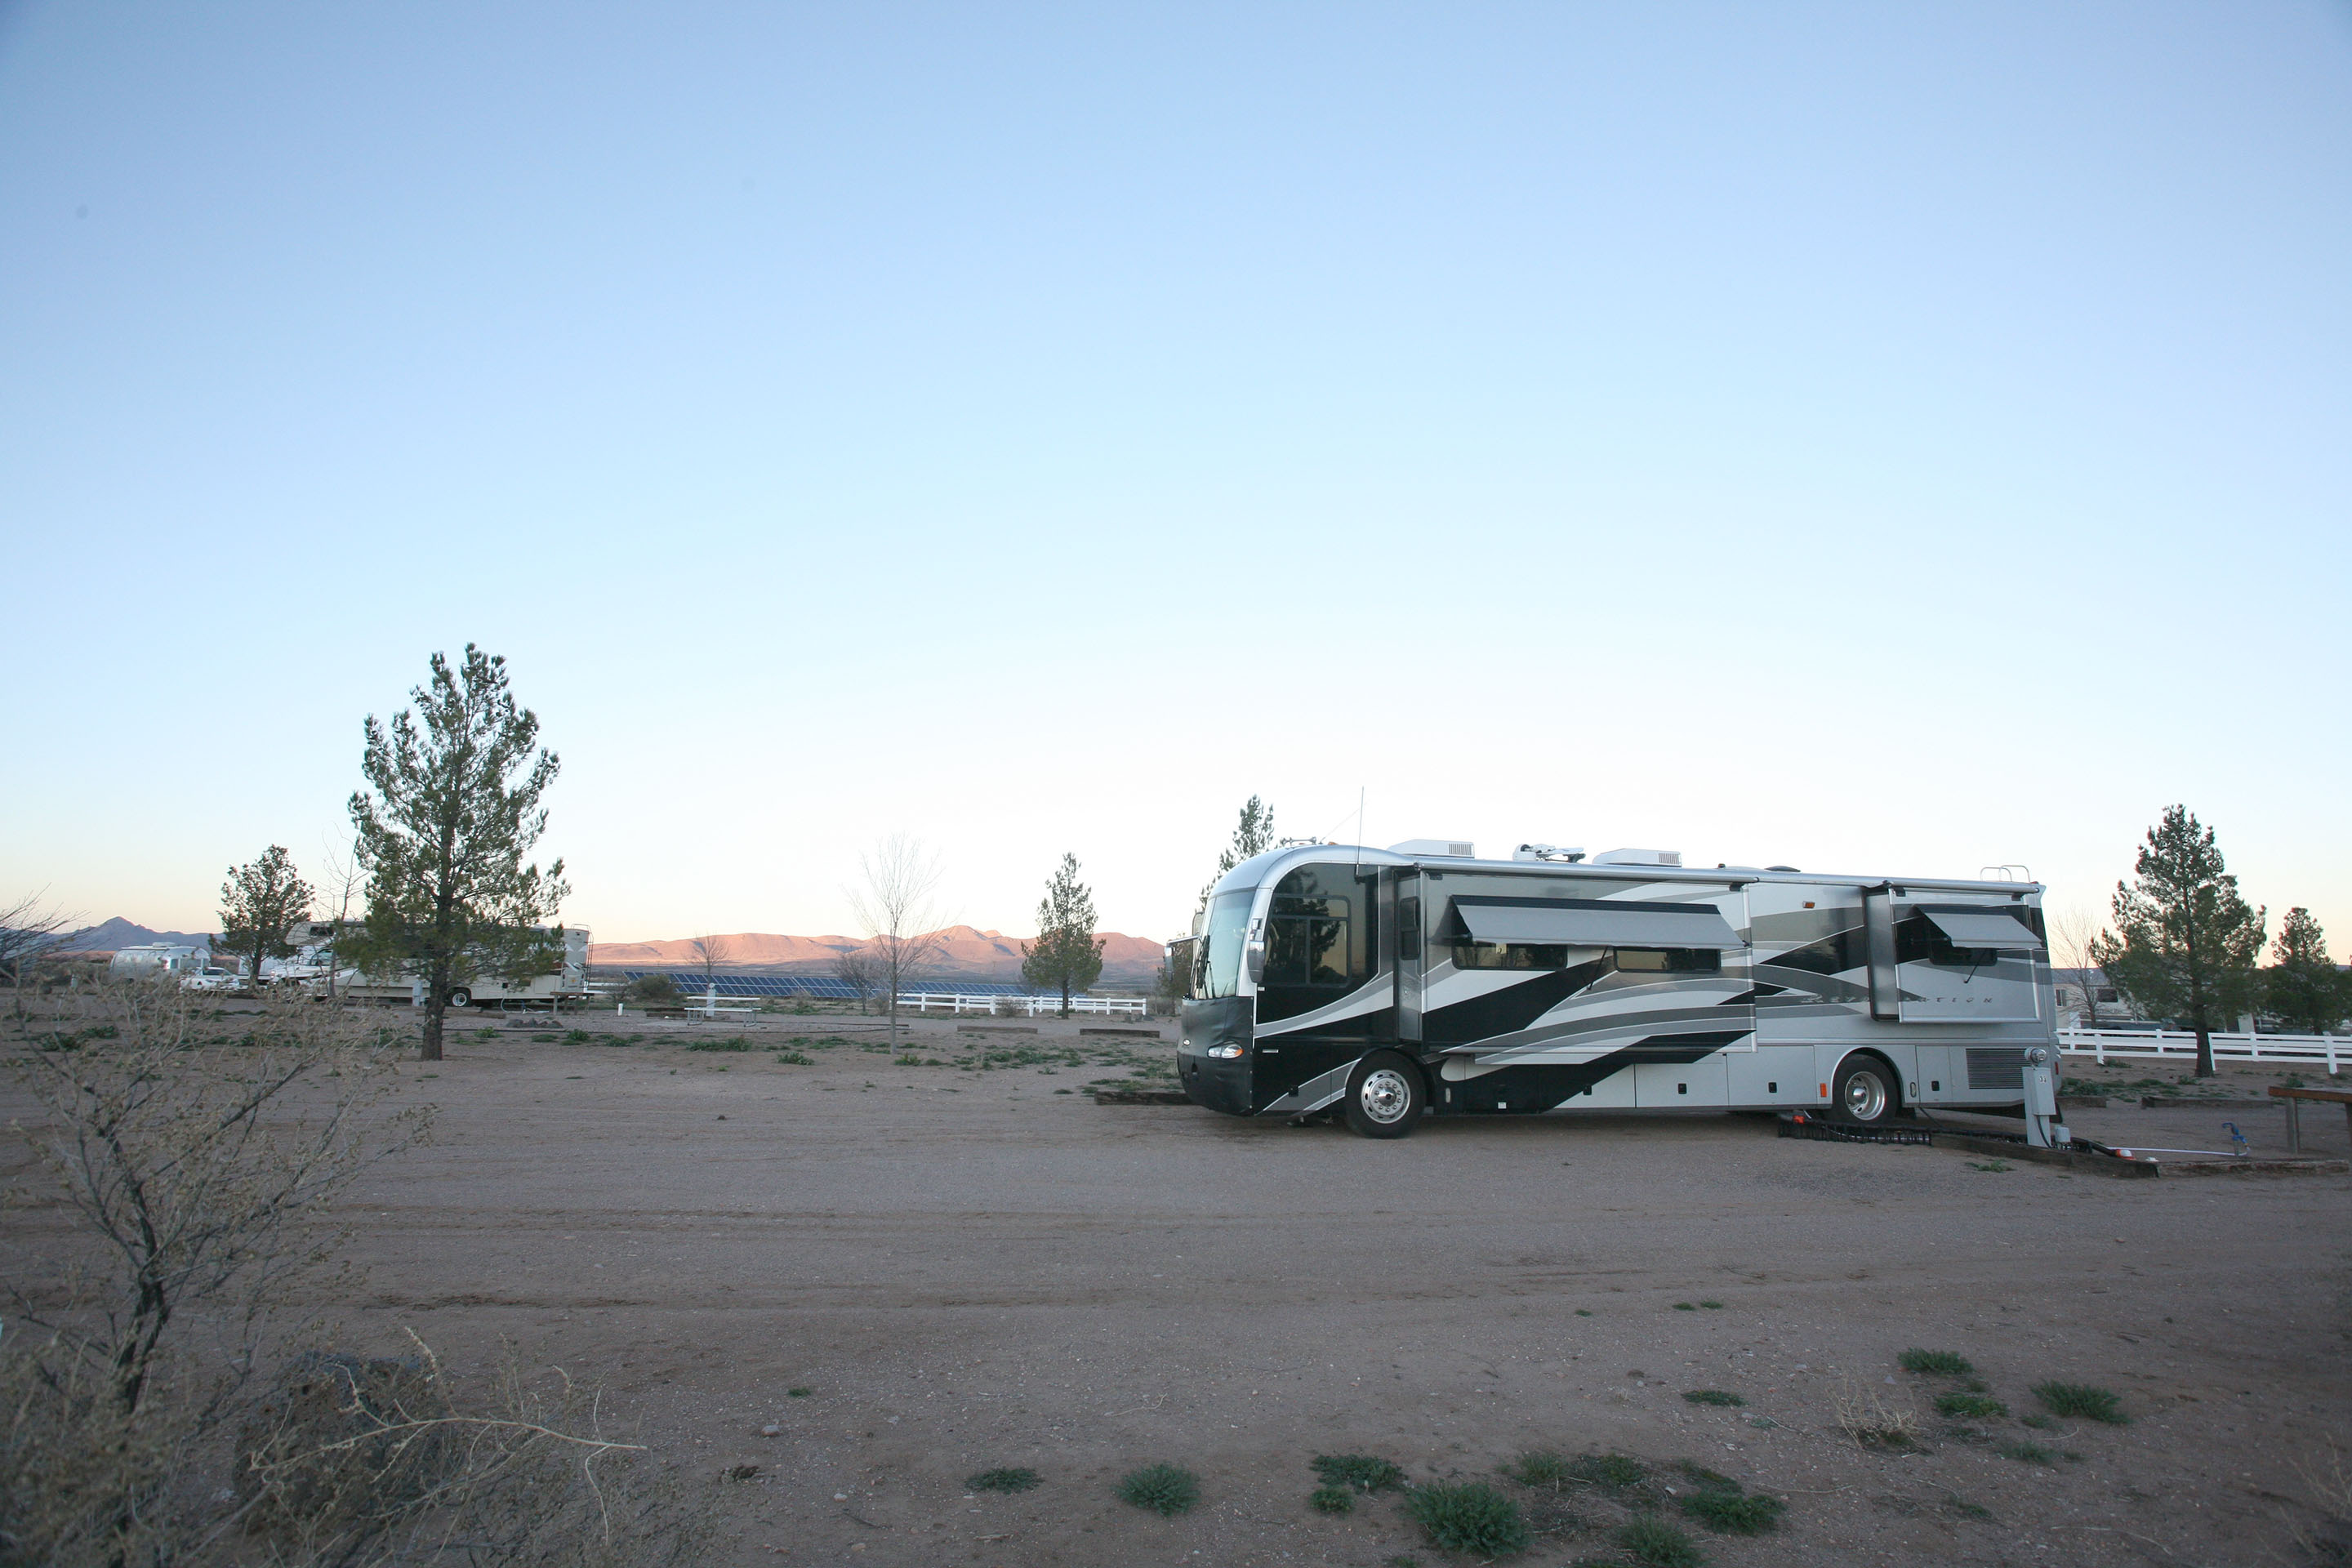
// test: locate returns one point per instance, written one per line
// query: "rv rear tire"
(1385, 1096)
(1863, 1091)
(461, 997)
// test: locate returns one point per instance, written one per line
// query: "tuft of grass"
(1164, 1490)
(2039, 1422)
(1617, 1472)
(798, 1392)
(1469, 1516)
(1712, 1306)
(794, 1059)
(2082, 1402)
(1942, 1364)
(1686, 1307)
(1012, 1478)
(1734, 1513)
(1970, 1407)
(1654, 1542)
(1953, 1503)
(733, 1043)
(1869, 1421)
(1362, 1472)
(1713, 1396)
(1583, 1312)
(1539, 1467)
(1995, 1165)
(577, 1036)
(2030, 1453)
(1331, 1500)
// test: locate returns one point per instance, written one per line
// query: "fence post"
(2331, 1054)
(2099, 1047)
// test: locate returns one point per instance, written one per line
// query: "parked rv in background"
(152, 958)
(565, 980)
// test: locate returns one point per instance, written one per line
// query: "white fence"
(2176, 1044)
(1117, 1006)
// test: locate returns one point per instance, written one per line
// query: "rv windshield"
(1217, 955)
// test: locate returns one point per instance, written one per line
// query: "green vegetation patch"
(1363, 1472)
(1539, 1467)
(1469, 1516)
(1723, 1505)
(1651, 1540)
(1713, 1396)
(1970, 1407)
(1942, 1364)
(2029, 1453)
(733, 1043)
(1012, 1478)
(1165, 1489)
(2082, 1402)
(1616, 1472)
(1331, 1500)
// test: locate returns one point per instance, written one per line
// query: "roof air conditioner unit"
(1570, 856)
(1639, 858)
(1450, 849)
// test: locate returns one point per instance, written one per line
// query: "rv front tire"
(461, 997)
(1385, 1096)
(1865, 1090)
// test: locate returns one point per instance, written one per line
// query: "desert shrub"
(1863, 1418)
(2081, 1402)
(1468, 1516)
(1539, 1467)
(653, 988)
(191, 1186)
(795, 1060)
(576, 1036)
(733, 1043)
(1364, 1472)
(1713, 1396)
(1654, 1542)
(1942, 1364)
(1331, 1500)
(1734, 1513)
(1970, 1407)
(2029, 1453)
(1015, 1478)
(1165, 1489)
(1617, 1472)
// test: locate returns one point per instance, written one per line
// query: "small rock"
(722, 1118)
(742, 1472)
(770, 1430)
(840, 1497)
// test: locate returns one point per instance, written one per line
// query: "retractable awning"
(1982, 928)
(1594, 923)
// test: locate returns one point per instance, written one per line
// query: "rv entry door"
(1407, 927)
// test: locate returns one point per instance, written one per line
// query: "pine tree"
(455, 810)
(1066, 956)
(2186, 942)
(2303, 987)
(260, 905)
(1253, 835)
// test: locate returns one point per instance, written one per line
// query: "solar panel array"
(692, 982)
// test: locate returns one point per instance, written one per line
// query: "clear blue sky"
(1886, 438)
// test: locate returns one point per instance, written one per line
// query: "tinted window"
(1217, 955)
(1667, 959)
(1318, 931)
(1919, 941)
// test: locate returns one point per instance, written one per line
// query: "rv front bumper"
(1213, 1058)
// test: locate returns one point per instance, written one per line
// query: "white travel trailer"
(151, 958)
(565, 980)
(1419, 980)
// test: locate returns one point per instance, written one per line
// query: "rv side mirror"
(1253, 954)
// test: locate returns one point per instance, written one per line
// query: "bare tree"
(895, 905)
(29, 927)
(341, 884)
(710, 952)
(2072, 937)
(856, 970)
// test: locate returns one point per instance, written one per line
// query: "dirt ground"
(915, 1273)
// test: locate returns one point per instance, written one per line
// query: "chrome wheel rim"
(1865, 1097)
(1385, 1097)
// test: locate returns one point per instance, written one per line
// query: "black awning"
(1982, 928)
(1594, 923)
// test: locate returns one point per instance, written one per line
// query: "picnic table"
(2295, 1098)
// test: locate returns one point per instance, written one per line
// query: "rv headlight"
(1225, 1053)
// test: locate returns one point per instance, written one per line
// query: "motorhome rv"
(1384, 985)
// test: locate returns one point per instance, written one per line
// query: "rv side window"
(1409, 927)
(1917, 940)
(1509, 955)
(1667, 959)
(1315, 934)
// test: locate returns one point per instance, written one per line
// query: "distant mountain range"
(965, 952)
(119, 934)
